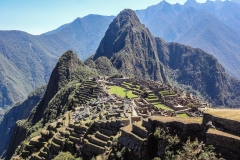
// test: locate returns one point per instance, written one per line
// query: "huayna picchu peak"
(131, 48)
(137, 97)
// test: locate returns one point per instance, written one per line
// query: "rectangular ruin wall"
(223, 141)
(224, 123)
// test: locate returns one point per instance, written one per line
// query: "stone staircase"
(135, 137)
(87, 91)
(77, 132)
(54, 139)
(101, 137)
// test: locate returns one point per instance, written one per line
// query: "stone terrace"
(100, 118)
(224, 127)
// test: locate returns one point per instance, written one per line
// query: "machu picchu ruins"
(129, 115)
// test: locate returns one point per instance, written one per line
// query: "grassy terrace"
(183, 115)
(186, 120)
(121, 92)
(158, 105)
(132, 87)
(232, 114)
(152, 96)
(167, 93)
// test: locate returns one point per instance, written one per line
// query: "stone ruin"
(95, 124)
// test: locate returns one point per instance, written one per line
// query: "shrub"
(64, 156)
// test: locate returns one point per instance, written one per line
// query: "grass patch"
(183, 115)
(121, 92)
(167, 93)
(187, 120)
(158, 105)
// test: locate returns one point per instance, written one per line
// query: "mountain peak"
(61, 75)
(127, 17)
(130, 47)
(127, 12)
(191, 3)
(119, 33)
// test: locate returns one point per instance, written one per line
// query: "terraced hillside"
(85, 115)
(100, 123)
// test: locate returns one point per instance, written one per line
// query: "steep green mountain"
(211, 26)
(61, 75)
(26, 61)
(134, 51)
(131, 48)
(65, 78)
(25, 64)
(19, 111)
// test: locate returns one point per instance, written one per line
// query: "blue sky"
(39, 16)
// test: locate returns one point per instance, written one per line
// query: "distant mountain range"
(26, 61)
(211, 26)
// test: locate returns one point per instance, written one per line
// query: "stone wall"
(223, 123)
(125, 122)
(132, 136)
(136, 119)
(140, 131)
(220, 140)
(93, 148)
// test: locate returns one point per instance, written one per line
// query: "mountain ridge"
(181, 27)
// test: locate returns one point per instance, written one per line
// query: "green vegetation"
(122, 92)
(23, 109)
(190, 105)
(166, 93)
(173, 149)
(183, 115)
(158, 105)
(152, 97)
(104, 67)
(26, 60)
(64, 156)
